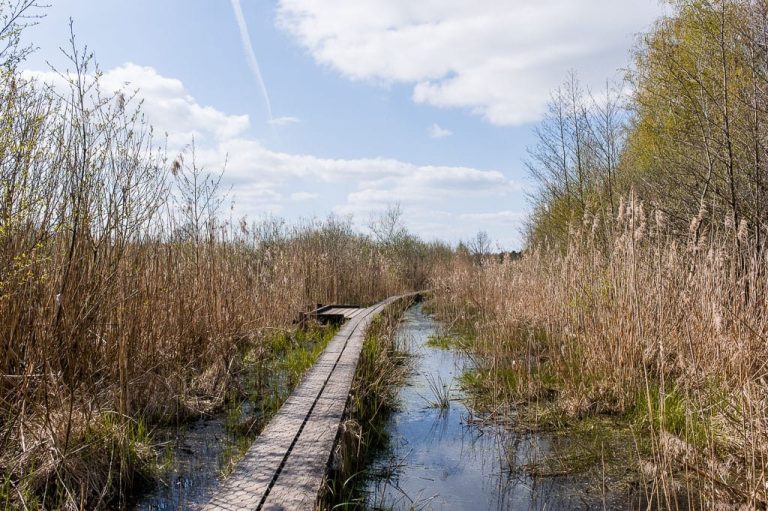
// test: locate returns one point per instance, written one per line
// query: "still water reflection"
(438, 458)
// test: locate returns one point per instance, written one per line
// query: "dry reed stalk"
(124, 299)
(668, 334)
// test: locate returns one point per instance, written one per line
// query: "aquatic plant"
(666, 335)
(440, 393)
(447, 341)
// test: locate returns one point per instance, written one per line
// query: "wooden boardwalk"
(285, 466)
(334, 313)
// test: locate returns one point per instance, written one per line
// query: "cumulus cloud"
(436, 131)
(262, 179)
(496, 58)
(166, 102)
(377, 179)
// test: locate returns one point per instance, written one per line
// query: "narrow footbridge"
(285, 466)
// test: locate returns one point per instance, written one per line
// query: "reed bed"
(127, 298)
(631, 322)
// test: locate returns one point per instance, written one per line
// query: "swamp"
(384, 254)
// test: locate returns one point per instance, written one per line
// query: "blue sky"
(430, 104)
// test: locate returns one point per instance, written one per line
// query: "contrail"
(250, 55)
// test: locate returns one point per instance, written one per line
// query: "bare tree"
(15, 17)
(387, 226)
(607, 130)
(198, 196)
(480, 245)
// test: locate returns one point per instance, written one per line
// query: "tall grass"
(125, 299)
(383, 366)
(631, 321)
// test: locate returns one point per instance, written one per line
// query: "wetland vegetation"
(193, 456)
(618, 361)
(129, 304)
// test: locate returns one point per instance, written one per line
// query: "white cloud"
(377, 181)
(498, 58)
(252, 197)
(304, 196)
(167, 104)
(171, 108)
(284, 121)
(436, 131)
(262, 180)
(495, 216)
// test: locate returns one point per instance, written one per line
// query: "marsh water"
(196, 455)
(441, 457)
(438, 456)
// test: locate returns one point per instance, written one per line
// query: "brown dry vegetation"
(125, 300)
(670, 335)
(652, 314)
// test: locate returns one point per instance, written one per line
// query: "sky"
(349, 106)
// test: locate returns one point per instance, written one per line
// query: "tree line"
(686, 130)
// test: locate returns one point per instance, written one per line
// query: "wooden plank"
(339, 311)
(301, 478)
(285, 466)
(247, 485)
(351, 313)
(347, 312)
